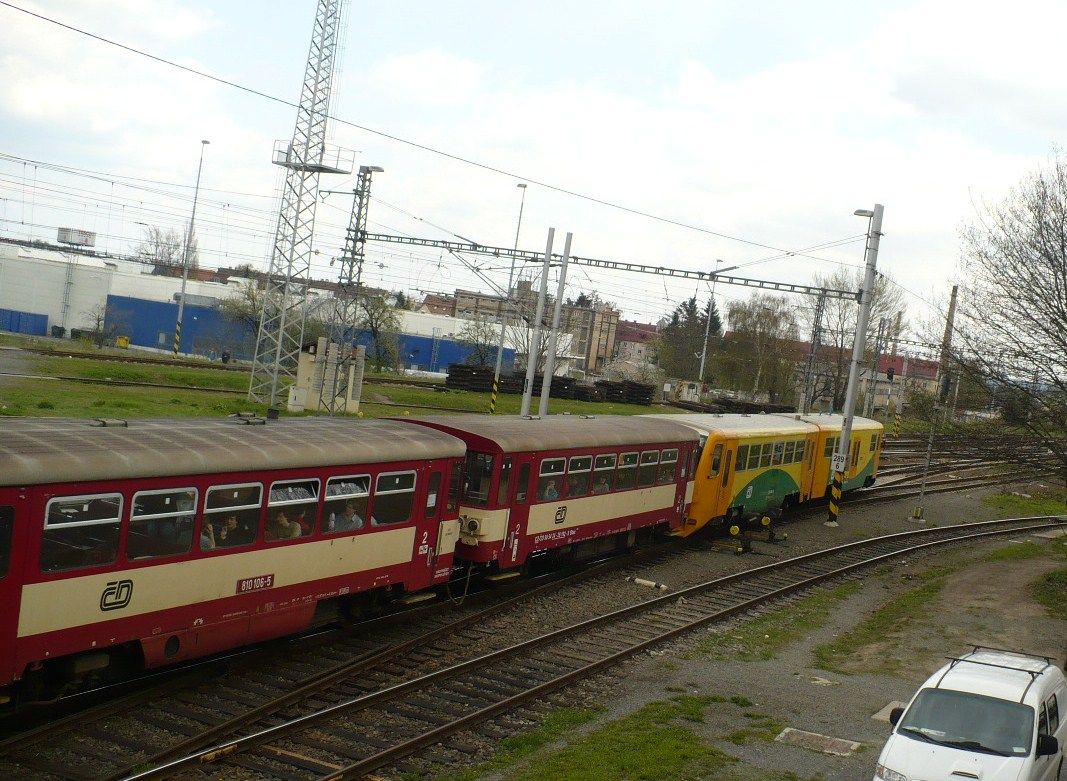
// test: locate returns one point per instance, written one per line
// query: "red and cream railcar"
(580, 484)
(159, 541)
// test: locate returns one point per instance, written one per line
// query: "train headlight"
(471, 525)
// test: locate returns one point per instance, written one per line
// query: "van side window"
(1053, 714)
(1042, 721)
(7, 526)
(81, 531)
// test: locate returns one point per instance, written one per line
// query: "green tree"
(382, 321)
(681, 340)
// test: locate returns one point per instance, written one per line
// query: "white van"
(992, 715)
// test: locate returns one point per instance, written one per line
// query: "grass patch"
(891, 617)
(1047, 503)
(1050, 590)
(763, 638)
(760, 729)
(650, 743)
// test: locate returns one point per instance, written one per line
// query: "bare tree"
(839, 323)
(1012, 315)
(634, 371)
(761, 343)
(481, 337)
(382, 321)
(105, 323)
(244, 308)
(521, 336)
(166, 249)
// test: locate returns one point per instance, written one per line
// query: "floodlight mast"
(859, 343)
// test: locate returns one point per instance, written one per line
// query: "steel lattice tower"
(334, 394)
(281, 325)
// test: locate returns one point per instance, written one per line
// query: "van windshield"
(970, 722)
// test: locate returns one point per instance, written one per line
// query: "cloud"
(432, 77)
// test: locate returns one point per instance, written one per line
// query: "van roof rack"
(976, 648)
(1034, 674)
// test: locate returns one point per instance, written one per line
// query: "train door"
(807, 467)
(441, 510)
(11, 568)
(718, 474)
(515, 495)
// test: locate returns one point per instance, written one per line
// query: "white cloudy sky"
(767, 121)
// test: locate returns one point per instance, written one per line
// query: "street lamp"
(185, 255)
(707, 327)
(507, 300)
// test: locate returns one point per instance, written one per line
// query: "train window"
(505, 482)
(161, 523)
(765, 455)
(778, 453)
(81, 531)
(803, 450)
(291, 509)
(646, 473)
(626, 477)
(668, 465)
(345, 507)
(874, 442)
(742, 459)
(231, 516)
(753, 456)
(726, 469)
(433, 492)
(479, 476)
(7, 526)
(790, 452)
(523, 484)
(578, 475)
(551, 479)
(394, 498)
(603, 473)
(693, 461)
(453, 486)
(831, 443)
(716, 461)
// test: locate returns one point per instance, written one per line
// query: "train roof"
(53, 450)
(768, 425)
(514, 434)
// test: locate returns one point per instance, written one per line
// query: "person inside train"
(207, 536)
(280, 527)
(226, 531)
(299, 526)
(600, 485)
(346, 520)
(551, 492)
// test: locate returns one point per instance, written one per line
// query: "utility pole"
(840, 459)
(550, 361)
(186, 255)
(503, 314)
(809, 370)
(942, 397)
(535, 332)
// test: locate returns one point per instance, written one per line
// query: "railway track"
(345, 727)
(257, 696)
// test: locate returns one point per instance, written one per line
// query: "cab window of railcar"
(523, 484)
(479, 477)
(831, 446)
(802, 450)
(777, 453)
(874, 442)
(646, 473)
(346, 503)
(433, 493)
(504, 484)
(291, 509)
(668, 466)
(742, 459)
(578, 475)
(790, 452)
(716, 461)
(765, 455)
(231, 516)
(604, 473)
(626, 477)
(394, 498)
(550, 479)
(81, 531)
(161, 523)
(7, 526)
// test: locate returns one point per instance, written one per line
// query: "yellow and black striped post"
(896, 424)
(177, 337)
(492, 398)
(835, 499)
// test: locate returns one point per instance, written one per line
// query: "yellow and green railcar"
(751, 466)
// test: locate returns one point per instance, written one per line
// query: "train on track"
(127, 545)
